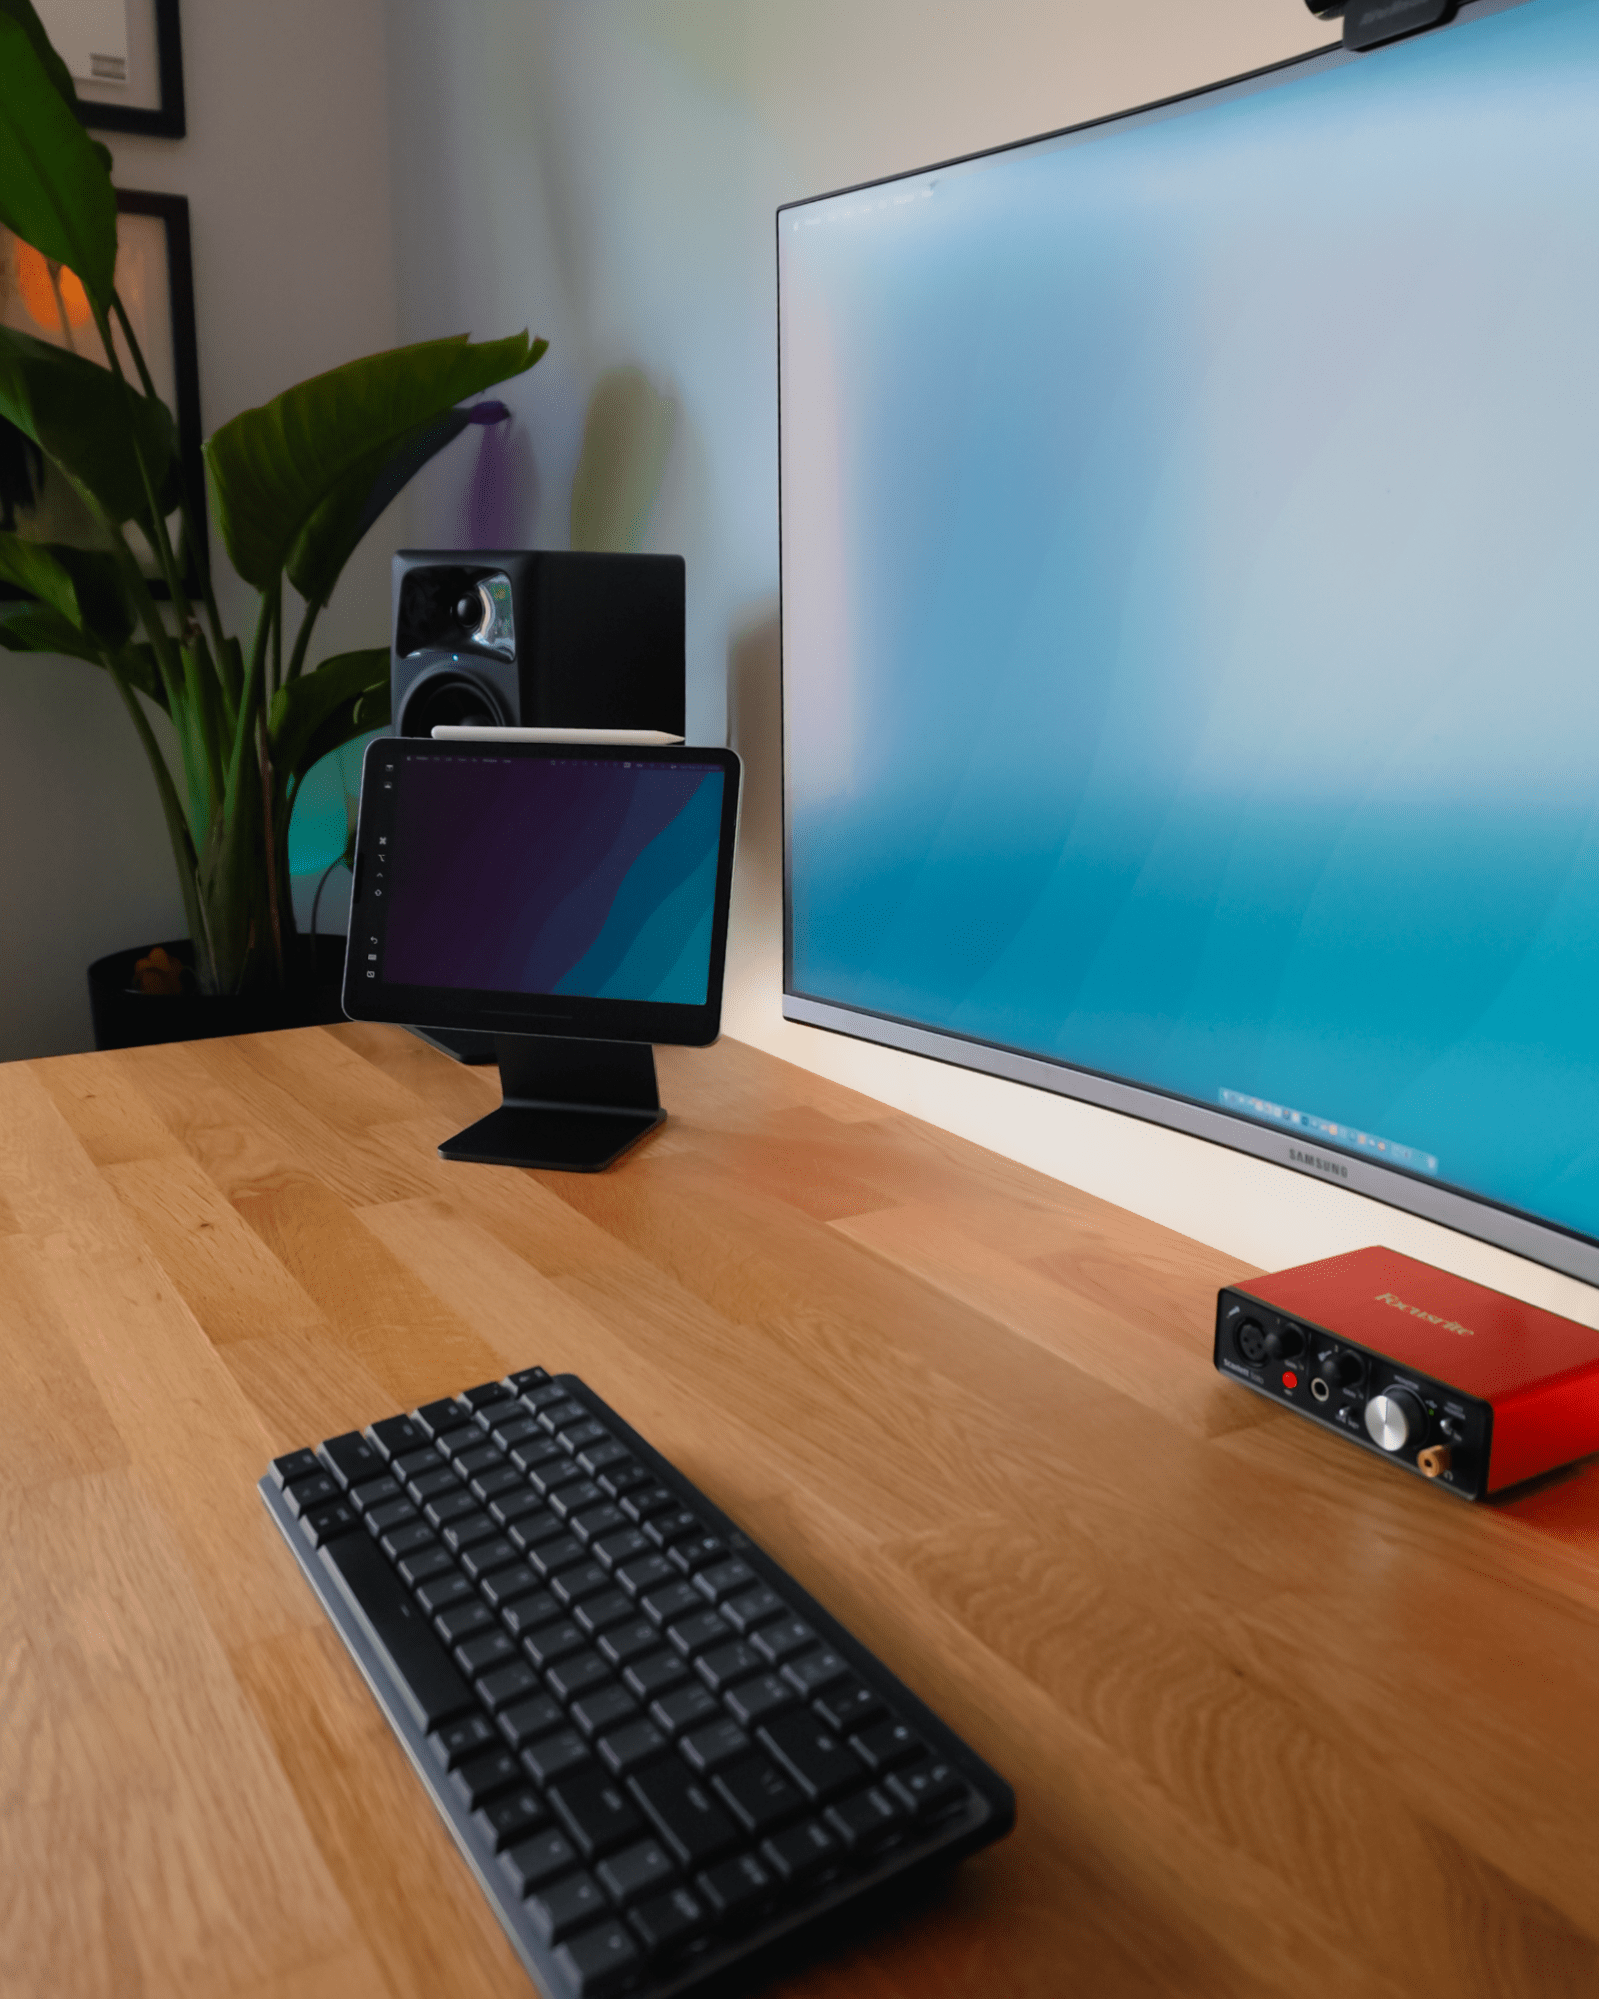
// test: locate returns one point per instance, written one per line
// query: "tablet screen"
(574, 877)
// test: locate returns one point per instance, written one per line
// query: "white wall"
(608, 175)
(286, 167)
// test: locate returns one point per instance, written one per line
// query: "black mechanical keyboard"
(661, 1758)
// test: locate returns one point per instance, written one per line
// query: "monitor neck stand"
(570, 1106)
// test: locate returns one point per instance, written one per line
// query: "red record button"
(1290, 1379)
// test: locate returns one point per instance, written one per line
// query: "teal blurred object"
(324, 808)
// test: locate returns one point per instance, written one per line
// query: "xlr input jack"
(1320, 1390)
(1434, 1461)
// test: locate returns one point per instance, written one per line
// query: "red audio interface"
(1451, 1380)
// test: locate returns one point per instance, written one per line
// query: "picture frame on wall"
(126, 60)
(155, 281)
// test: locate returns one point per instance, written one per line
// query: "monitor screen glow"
(1190, 621)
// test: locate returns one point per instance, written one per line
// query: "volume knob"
(1395, 1419)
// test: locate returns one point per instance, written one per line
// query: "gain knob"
(1394, 1419)
(1284, 1342)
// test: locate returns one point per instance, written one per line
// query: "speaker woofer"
(453, 697)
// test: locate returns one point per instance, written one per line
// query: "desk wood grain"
(1280, 1720)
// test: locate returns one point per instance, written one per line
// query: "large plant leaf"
(55, 69)
(85, 420)
(271, 468)
(349, 692)
(80, 585)
(330, 536)
(32, 626)
(55, 182)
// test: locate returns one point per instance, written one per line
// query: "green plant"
(293, 486)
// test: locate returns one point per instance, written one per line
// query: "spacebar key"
(434, 1691)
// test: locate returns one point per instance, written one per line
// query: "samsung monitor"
(569, 899)
(1190, 632)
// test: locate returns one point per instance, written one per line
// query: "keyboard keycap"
(628, 1749)
(600, 1613)
(684, 1813)
(315, 1489)
(485, 1393)
(389, 1514)
(800, 1852)
(599, 1963)
(432, 1483)
(782, 1638)
(812, 1671)
(466, 1530)
(666, 1922)
(653, 1673)
(687, 1708)
(531, 1862)
(526, 1379)
(525, 1721)
(926, 1788)
(553, 1641)
(484, 1652)
(477, 1779)
(527, 1613)
(429, 1560)
(676, 1524)
(551, 1557)
(585, 1579)
(436, 1417)
(406, 1540)
(695, 1634)
(511, 1818)
(596, 1811)
(581, 1435)
(645, 1501)
(506, 1684)
(505, 1585)
(754, 1701)
(887, 1744)
(710, 1748)
(430, 1685)
(755, 1607)
(374, 1492)
(849, 1707)
(457, 1740)
(623, 1546)
(594, 1522)
(451, 1505)
(737, 1888)
(759, 1796)
(700, 1551)
(484, 1557)
(812, 1755)
(673, 1600)
(565, 1906)
(441, 1591)
(488, 1485)
(352, 1457)
(556, 1755)
(462, 1620)
(324, 1523)
(577, 1674)
(638, 1870)
(724, 1664)
(864, 1820)
(724, 1579)
(625, 1643)
(295, 1464)
(645, 1573)
(605, 1707)
(514, 1505)
(396, 1434)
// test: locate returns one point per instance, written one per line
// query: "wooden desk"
(1280, 1720)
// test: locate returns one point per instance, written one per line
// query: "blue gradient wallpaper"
(1191, 602)
(531, 876)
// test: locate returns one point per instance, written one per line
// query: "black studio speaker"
(536, 639)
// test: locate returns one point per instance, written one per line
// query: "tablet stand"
(570, 1106)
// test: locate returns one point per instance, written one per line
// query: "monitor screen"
(561, 880)
(1189, 621)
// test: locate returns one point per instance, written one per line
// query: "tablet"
(578, 890)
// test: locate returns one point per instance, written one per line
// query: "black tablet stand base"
(465, 1044)
(570, 1106)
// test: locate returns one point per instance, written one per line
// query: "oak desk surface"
(1279, 1718)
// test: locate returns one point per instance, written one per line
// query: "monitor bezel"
(1462, 1209)
(487, 1011)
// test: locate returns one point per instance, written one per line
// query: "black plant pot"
(124, 1017)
